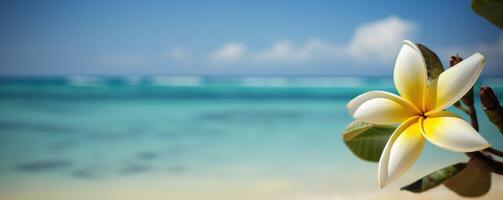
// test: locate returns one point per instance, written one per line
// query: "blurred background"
(213, 99)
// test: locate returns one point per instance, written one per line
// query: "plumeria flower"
(420, 110)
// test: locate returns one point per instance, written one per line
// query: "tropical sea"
(197, 137)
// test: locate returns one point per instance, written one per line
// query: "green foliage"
(367, 140)
(433, 65)
(434, 179)
(473, 181)
(492, 10)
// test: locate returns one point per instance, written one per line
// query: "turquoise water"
(99, 129)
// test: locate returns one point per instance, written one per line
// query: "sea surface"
(193, 137)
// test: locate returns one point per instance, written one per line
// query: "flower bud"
(488, 98)
(492, 107)
(455, 60)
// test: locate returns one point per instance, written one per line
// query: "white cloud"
(495, 48)
(177, 53)
(285, 51)
(123, 60)
(372, 43)
(491, 51)
(377, 41)
(229, 52)
(380, 39)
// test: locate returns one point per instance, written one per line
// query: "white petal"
(380, 107)
(410, 74)
(401, 151)
(454, 82)
(452, 133)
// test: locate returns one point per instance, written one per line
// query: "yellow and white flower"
(420, 111)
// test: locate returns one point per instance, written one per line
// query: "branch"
(493, 165)
(492, 107)
(494, 151)
(468, 100)
(461, 107)
(473, 117)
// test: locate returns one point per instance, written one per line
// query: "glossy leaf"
(473, 181)
(492, 10)
(433, 65)
(434, 179)
(367, 140)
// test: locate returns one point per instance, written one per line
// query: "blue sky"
(234, 37)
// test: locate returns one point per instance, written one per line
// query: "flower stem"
(461, 107)
(473, 117)
(487, 161)
(494, 151)
(493, 165)
(487, 97)
(491, 106)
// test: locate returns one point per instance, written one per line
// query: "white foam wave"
(84, 81)
(301, 82)
(176, 80)
(133, 80)
(493, 82)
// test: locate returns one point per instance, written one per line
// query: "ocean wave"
(85, 81)
(199, 87)
(301, 82)
(235, 81)
(176, 80)
(332, 82)
(263, 82)
(133, 80)
(493, 82)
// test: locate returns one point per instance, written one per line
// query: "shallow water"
(193, 138)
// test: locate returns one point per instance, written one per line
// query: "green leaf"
(473, 181)
(434, 179)
(433, 65)
(492, 10)
(367, 140)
